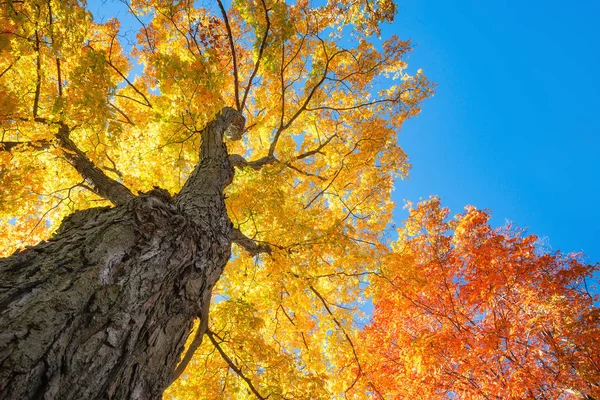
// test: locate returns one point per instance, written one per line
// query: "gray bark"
(103, 309)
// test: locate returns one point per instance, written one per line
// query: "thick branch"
(240, 162)
(59, 77)
(228, 123)
(102, 185)
(232, 365)
(252, 247)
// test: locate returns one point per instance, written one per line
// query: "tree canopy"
(464, 313)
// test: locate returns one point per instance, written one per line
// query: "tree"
(476, 312)
(104, 307)
(249, 160)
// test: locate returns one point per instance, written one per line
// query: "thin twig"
(232, 365)
(38, 68)
(233, 57)
(260, 53)
(9, 67)
(339, 325)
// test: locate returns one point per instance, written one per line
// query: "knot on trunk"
(233, 123)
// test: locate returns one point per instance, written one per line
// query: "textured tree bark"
(103, 309)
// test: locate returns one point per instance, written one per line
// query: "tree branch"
(114, 168)
(251, 246)
(197, 341)
(38, 68)
(232, 365)
(260, 53)
(23, 146)
(233, 57)
(326, 187)
(339, 325)
(147, 104)
(58, 74)
(59, 77)
(9, 67)
(291, 166)
(371, 103)
(307, 100)
(240, 162)
(132, 12)
(317, 150)
(129, 121)
(110, 64)
(100, 183)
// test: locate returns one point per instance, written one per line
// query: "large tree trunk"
(103, 309)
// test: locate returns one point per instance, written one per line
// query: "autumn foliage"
(460, 309)
(475, 312)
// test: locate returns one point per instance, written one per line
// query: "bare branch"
(291, 166)
(233, 57)
(232, 365)
(347, 274)
(110, 64)
(132, 12)
(132, 99)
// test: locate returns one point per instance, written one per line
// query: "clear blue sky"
(515, 124)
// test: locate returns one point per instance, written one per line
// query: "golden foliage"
(324, 98)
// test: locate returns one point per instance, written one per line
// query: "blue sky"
(515, 124)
